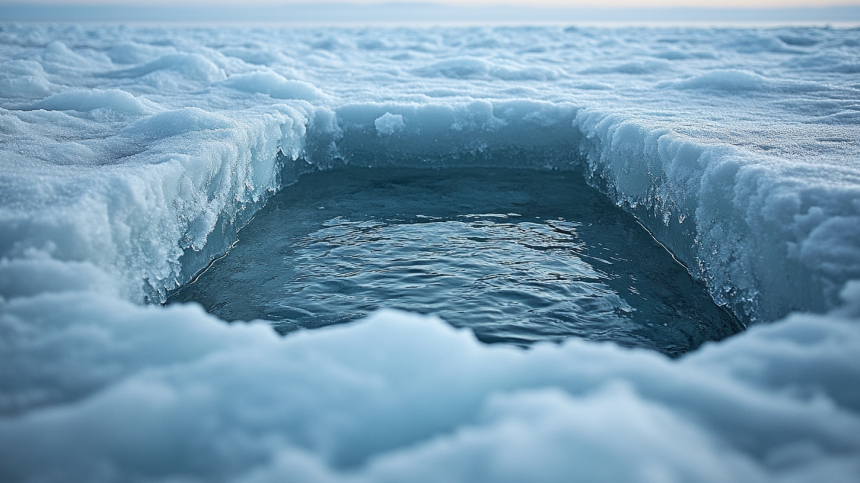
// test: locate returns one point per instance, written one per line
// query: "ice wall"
(767, 236)
(138, 201)
(749, 224)
(150, 155)
(763, 232)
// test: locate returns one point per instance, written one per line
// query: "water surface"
(517, 256)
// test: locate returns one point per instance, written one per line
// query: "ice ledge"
(769, 236)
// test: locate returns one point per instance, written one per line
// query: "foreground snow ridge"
(130, 157)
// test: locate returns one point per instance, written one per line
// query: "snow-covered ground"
(129, 157)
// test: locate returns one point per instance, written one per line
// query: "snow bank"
(731, 80)
(156, 393)
(176, 187)
(472, 68)
(22, 78)
(192, 66)
(275, 86)
(111, 99)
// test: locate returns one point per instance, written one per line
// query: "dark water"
(517, 256)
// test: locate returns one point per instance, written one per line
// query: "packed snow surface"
(130, 157)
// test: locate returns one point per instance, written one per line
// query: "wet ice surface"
(518, 256)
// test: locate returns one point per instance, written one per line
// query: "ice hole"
(518, 256)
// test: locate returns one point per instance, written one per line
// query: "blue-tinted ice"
(517, 256)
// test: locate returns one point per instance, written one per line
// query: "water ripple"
(518, 257)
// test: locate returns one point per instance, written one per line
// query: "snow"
(90, 100)
(130, 156)
(154, 392)
(388, 123)
(274, 85)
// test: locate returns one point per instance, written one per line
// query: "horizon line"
(340, 12)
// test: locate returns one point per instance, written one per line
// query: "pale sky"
(555, 3)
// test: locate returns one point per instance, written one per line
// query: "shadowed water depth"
(518, 256)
